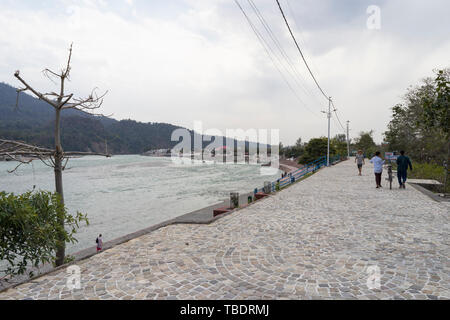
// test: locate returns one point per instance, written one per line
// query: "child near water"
(99, 242)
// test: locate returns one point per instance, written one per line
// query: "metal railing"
(300, 173)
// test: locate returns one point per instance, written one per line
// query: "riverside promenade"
(326, 237)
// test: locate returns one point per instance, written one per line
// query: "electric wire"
(306, 63)
(337, 116)
(300, 51)
(302, 40)
(295, 73)
(268, 49)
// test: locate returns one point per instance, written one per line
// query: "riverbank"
(201, 216)
(314, 240)
(123, 194)
(289, 166)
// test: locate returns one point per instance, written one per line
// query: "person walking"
(403, 162)
(359, 159)
(99, 242)
(377, 168)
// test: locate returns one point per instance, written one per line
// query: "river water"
(124, 194)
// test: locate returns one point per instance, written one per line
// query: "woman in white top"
(377, 168)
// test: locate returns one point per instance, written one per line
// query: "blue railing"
(298, 174)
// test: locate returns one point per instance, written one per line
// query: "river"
(124, 194)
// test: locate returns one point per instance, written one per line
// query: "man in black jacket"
(402, 168)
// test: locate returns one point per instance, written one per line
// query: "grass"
(428, 171)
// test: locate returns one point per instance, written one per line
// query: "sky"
(181, 61)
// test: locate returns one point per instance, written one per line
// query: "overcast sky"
(178, 61)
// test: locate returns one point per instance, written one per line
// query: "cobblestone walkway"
(317, 239)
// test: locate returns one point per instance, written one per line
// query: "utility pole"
(348, 138)
(329, 123)
(329, 132)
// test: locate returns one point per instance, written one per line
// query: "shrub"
(30, 228)
(429, 171)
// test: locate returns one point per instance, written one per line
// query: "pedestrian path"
(331, 236)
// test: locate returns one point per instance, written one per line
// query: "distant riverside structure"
(157, 153)
(219, 154)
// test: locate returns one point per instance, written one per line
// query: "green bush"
(428, 171)
(316, 148)
(30, 226)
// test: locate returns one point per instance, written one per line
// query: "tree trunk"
(61, 247)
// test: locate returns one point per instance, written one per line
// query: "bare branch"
(51, 94)
(67, 100)
(48, 72)
(52, 163)
(23, 152)
(26, 153)
(64, 76)
(67, 71)
(90, 103)
(15, 145)
(14, 158)
(76, 153)
(65, 164)
(18, 166)
(38, 94)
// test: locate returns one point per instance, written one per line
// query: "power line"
(339, 121)
(302, 39)
(303, 42)
(297, 24)
(300, 50)
(267, 47)
(295, 74)
(306, 63)
(337, 116)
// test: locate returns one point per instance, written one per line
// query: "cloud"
(199, 60)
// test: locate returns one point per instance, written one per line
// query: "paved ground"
(320, 238)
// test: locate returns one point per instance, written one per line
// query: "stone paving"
(318, 239)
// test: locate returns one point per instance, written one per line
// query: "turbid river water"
(124, 194)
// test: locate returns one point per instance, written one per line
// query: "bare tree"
(56, 158)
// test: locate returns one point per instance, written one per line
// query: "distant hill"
(33, 122)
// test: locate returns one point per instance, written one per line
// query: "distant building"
(157, 153)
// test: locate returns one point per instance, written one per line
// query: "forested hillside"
(33, 122)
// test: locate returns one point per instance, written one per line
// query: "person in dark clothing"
(403, 163)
